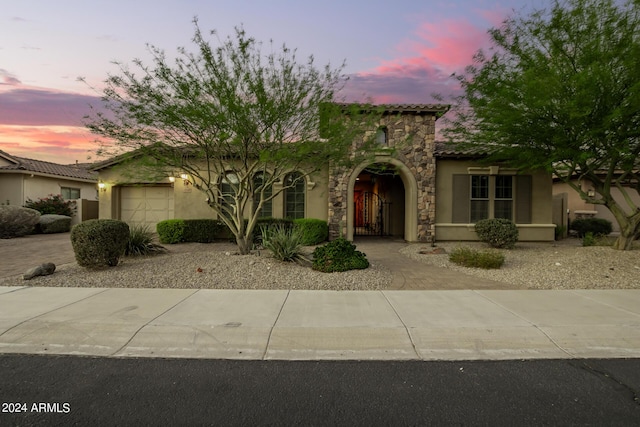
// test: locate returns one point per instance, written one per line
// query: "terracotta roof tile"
(48, 168)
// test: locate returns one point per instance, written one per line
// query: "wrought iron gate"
(371, 215)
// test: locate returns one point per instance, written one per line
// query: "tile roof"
(444, 149)
(47, 168)
(405, 108)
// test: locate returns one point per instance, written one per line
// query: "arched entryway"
(382, 200)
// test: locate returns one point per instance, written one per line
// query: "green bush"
(53, 204)
(595, 226)
(468, 257)
(497, 232)
(314, 231)
(171, 231)
(589, 239)
(338, 255)
(52, 223)
(283, 242)
(99, 242)
(201, 230)
(141, 242)
(16, 221)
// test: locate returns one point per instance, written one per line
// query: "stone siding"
(412, 134)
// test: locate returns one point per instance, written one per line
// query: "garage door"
(146, 205)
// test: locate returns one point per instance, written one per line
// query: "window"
(477, 197)
(267, 206)
(503, 203)
(382, 136)
(69, 193)
(228, 186)
(294, 196)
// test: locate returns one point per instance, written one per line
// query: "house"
(418, 192)
(569, 201)
(22, 179)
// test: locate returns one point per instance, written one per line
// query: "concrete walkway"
(482, 320)
(312, 325)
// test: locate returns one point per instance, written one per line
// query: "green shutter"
(523, 199)
(460, 196)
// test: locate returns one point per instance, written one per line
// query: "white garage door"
(146, 205)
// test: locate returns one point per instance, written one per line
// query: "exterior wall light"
(102, 186)
(185, 179)
(172, 179)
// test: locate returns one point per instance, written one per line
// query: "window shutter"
(523, 199)
(460, 214)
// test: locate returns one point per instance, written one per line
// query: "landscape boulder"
(51, 223)
(42, 270)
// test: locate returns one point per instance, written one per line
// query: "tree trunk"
(244, 244)
(628, 234)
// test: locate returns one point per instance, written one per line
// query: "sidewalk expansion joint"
(538, 328)
(52, 310)
(275, 322)
(406, 328)
(151, 320)
(582, 295)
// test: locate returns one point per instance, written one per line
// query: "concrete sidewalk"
(312, 325)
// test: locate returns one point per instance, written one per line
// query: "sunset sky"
(398, 51)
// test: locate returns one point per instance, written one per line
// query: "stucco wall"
(575, 203)
(541, 227)
(190, 203)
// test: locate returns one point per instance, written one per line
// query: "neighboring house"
(574, 207)
(22, 179)
(420, 194)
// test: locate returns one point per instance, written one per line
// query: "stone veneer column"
(414, 136)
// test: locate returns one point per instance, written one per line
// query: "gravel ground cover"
(202, 266)
(562, 265)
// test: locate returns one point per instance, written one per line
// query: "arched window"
(227, 192)
(382, 136)
(294, 196)
(267, 207)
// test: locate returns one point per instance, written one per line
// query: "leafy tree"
(560, 90)
(227, 114)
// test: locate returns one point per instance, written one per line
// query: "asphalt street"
(69, 390)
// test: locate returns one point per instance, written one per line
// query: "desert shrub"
(99, 242)
(497, 232)
(51, 223)
(53, 204)
(141, 242)
(589, 239)
(268, 223)
(171, 231)
(201, 230)
(338, 255)
(16, 221)
(595, 226)
(313, 231)
(283, 242)
(468, 257)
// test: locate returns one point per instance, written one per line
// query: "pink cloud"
(423, 64)
(59, 144)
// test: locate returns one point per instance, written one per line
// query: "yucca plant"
(285, 243)
(141, 242)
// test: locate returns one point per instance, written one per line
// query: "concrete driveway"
(20, 254)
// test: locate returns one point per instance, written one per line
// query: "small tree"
(560, 90)
(234, 120)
